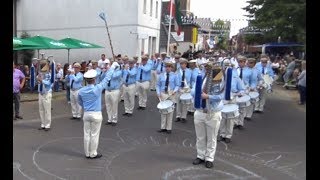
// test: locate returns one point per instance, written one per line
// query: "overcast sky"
(223, 9)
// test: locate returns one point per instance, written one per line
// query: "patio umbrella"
(49, 43)
(79, 43)
(23, 43)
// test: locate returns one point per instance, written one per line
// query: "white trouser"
(128, 96)
(75, 107)
(182, 109)
(249, 110)
(166, 119)
(112, 100)
(242, 114)
(191, 106)
(45, 109)
(154, 79)
(91, 130)
(226, 127)
(121, 93)
(207, 127)
(143, 88)
(262, 100)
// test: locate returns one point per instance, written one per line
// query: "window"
(144, 6)
(157, 9)
(151, 5)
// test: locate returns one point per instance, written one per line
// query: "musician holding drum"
(266, 83)
(208, 93)
(167, 87)
(184, 98)
(230, 112)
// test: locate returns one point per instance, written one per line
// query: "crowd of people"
(220, 90)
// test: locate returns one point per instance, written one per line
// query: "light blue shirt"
(46, 84)
(161, 67)
(155, 63)
(98, 77)
(173, 82)
(187, 76)
(215, 99)
(194, 74)
(267, 70)
(256, 77)
(132, 76)
(77, 78)
(115, 81)
(89, 97)
(236, 85)
(146, 72)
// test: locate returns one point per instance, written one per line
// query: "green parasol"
(19, 43)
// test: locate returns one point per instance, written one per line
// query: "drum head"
(186, 96)
(164, 104)
(230, 108)
(244, 98)
(253, 94)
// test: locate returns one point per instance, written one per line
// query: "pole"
(169, 31)
(68, 56)
(103, 17)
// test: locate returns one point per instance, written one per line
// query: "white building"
(133, 24)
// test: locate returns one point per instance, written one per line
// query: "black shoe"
(220, 138)
(88, 157)
(190, 113)
(19, 117)
(247, 118)
(168, 131)
(72, 118)
(235, 126)
(178, 119)
(129, 114)
(227, 140)
(97, 156)
(183, 120)
(125, 114)
(46, 129)
(197, 161)
(121, 100)
(143, 108)
(240, 127)
(209, 164)
(162, 130)
(108, 123)
(41, 128)
(257, 111)
(139, 108)
(113, 124)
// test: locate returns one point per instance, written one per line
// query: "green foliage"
(285, 18)
(223, 37)
(26, 55)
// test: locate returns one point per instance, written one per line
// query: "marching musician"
(176, 63)
(75, 78)
(267, 78)
(154, 75)
(129, 82)
(207, 116)
(237, 89)
(112, 93)
(194, 73)
(90, 100)
(246, 76)
(143, 82)
(95, 66)
(161, 68)
(184, 76)
(45, 96)
(167, 87)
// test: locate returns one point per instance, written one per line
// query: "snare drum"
(230, 111)
(254, 96)
(165, 107)
(186, 98)
(243, 101)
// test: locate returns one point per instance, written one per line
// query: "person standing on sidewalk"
(89, 98)
(302, 85)
(18, 83)
(45, 96)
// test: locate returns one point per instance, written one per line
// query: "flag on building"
(176, 14)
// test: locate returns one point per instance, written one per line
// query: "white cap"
(115, 65)
(193, 61)
(90, 73)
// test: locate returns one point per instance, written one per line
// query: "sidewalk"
(29, 96)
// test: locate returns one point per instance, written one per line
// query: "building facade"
(134, 25)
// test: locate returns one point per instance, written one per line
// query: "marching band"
(220, 93)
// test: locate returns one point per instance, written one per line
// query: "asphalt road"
(272, 146)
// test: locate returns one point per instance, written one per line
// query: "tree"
(284, 18)
(223, 31)
(26, 55)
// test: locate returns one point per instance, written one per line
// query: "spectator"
(18, 83)
(302, 86)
